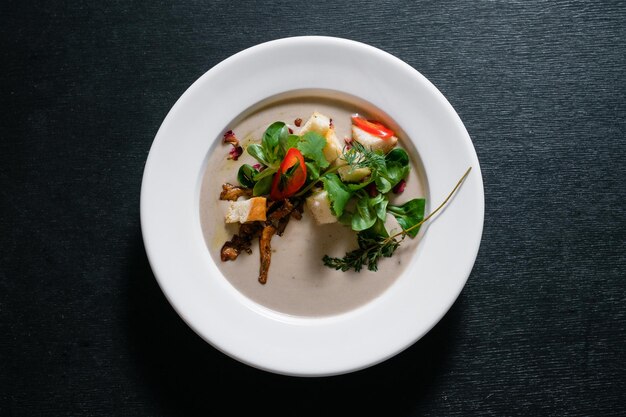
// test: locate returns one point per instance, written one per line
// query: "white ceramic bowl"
(267, 339)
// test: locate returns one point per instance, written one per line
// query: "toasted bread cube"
(333, 148)
(317, 123)
(249, 210)
(320, 123)
(318, 204)
(373, 142)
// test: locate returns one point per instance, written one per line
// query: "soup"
(299, 283)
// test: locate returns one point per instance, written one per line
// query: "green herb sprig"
(371, 249)
(360, 156)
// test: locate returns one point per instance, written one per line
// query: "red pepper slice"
(371, 126)
(290, 177)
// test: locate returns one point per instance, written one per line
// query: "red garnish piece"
(371, 126)
(371, 189)
(298, 122)
(348, 142)
(236, 151)
(399, 188)
(229, 137)
(290, 177)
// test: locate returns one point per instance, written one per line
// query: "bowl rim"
(251, 333)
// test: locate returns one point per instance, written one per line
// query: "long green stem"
(415, 226)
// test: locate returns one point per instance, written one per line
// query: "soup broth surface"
(298, 282)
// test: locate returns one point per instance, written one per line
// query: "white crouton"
(249, 210)
(373, 142)
(320, 123)
(318, 204)
(333, 148)
(317, 123)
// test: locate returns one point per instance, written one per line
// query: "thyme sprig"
(372, 249)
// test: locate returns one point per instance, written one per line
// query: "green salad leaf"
(378, 229)
(288, 142)
(271, 149)
(245, 175)
(256, 151)
(312, 171)
(338, 193)
(311, 144)
(399, 156)
(364, 217)
(369, 211)
(262, 186)
(382, 183)
(409, 214)
(379, 204)
(267, 172)
(397, 166)
(276, 133)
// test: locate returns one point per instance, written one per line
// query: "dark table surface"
(539, 329)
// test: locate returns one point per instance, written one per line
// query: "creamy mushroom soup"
(299, 283)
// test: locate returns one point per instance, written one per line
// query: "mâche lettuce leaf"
(262, 186)
(245, 175)
(368, 211)
(276, 133)
(409, 214)
(256, 151)
(288, 142)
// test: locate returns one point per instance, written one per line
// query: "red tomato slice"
(292, 180)
(373, 127)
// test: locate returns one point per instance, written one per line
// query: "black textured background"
(540, 328)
